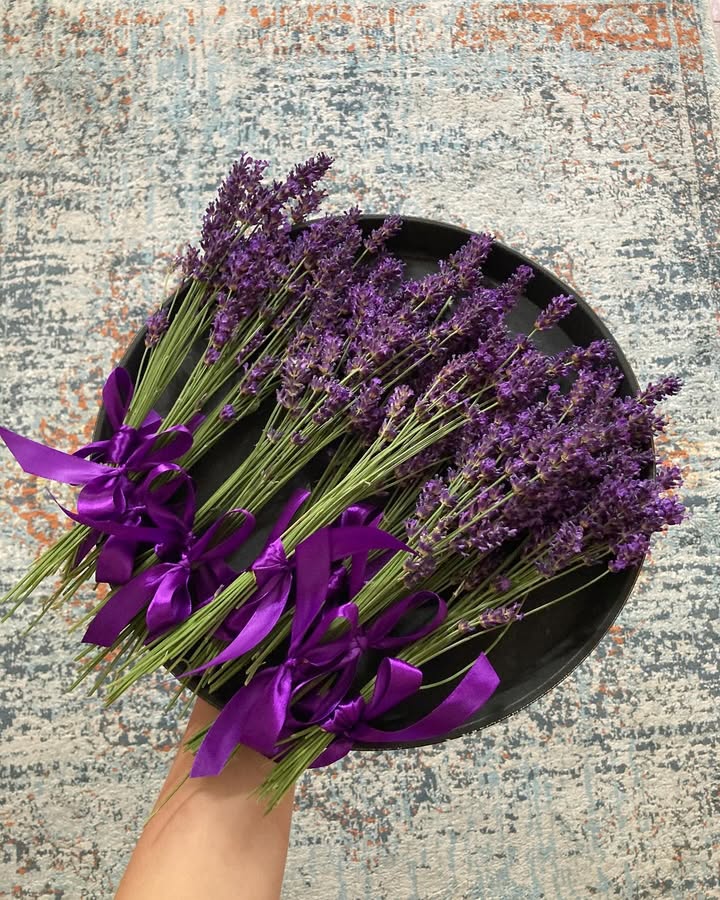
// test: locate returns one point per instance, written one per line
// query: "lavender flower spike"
(156, 324)
(556, 310)
(380, 236)
(492, 618)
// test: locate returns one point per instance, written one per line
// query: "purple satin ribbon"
(396, 681)
(109, 497)
(272, 689)
(342, 654)
(309, 573)
(255, 715)
(172, 591)
(158, 512)
(255, 718)
(245, 627)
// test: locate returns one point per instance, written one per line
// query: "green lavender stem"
(314, 742)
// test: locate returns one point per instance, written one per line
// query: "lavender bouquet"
(462, 469)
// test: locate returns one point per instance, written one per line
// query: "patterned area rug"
(584, 136)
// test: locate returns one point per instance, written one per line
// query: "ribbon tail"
(254, 716)
(340, 747)
(151, 423)
(129, 532)
(261, 622)
(467, 698)
(348, 540)
(213, 546)
(46, 462)
(117, 393)
(312, 575)
(379, 634)
(122, 607)
(178, 441)
(170, 604)
(104, 499)
(86, 545)
(116, 561)
(297, 498)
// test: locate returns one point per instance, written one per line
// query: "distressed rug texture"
(585, 135)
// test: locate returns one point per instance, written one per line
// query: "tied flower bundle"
(463, 470)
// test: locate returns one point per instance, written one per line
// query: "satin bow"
(108, 494)
(173, 590)
(309, 572)
(343, 652)
(256, 714)
(245, 627)
(396, 681)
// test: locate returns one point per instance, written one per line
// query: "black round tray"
(536, 654)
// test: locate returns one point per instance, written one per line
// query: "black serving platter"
(536, 654)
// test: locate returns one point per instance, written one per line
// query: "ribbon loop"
(171, 590)
(379, 633)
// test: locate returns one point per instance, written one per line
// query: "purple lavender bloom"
(238, 195)
(430, 498)
(565, 545)
(385, 276)
(256, 375)
(443, 394)
(428, 295)
(489, 535)
(554, 312)
(250, 347)
(378, 238)
(654, 393)
(295, 376)
(338, 396)
(189, 262)
(467, 263)
(412, 526)
(301, 186)
(157, 324)
(418, 568)
(245, 238)
(525, 378)
(669, 477)
(212, 355)
(225, 321)
(629, 552)
(366, 413)
(599, 353)
(227, 412)
(503, 615)
(396, 411)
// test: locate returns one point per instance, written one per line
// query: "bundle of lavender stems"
(464, 470)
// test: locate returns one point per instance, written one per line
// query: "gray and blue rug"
(585, 136)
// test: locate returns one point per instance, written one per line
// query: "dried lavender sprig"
(654, 511)
(399, 461)
(315, 740)
(373, 470)
(243, 585)
(191, 320)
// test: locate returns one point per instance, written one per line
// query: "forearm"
(211, 838)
